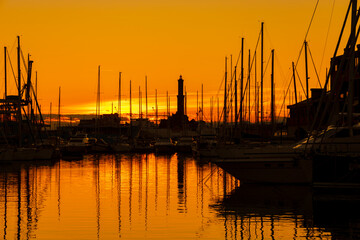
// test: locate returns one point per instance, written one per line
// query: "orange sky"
(161, 39)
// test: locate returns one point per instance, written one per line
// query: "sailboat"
(121, 145)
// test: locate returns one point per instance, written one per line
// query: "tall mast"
(262, 77)
(256, 92)
(140, 110)
(156, 107)
(185, 101)
(130, 103)
(197, 105)
(5, 72)
(272, 90)
(97, 102)
(202, 102)
(19, 93)
(119, 97)
(167, 103)
(231, 89)
(59, 122)
(98, 95)
(50, 114)
(293, 67)
(236, 100)
(242, 83)
(249, 66)
(146, 99)
(225, 99)
(211, 111)
(218, 112)
(36, 90)
(28, 84)
(306, 71)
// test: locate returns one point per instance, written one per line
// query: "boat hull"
(27, 154)
(336, 170)
(164, 148)
(275, 171)
(121, 147)
(184, 148)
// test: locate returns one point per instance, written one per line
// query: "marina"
(226, 147)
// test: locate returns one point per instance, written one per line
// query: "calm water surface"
(161, 197)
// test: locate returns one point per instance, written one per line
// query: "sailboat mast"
(225, 99)
(119, 97)
(5, 69)
(97, 102)
(211, 111)
(167, 103)
(236, 100)
(36, 87)
(156, 108)
(140, 110)
(59, 122)
(146, 98)
(293, 67)
(242, 83)
(262, 77)
(27, 90)
(249, 67)
(197, 105)
(218, 112)
(130, 103)
(231, 89)
(185, 101)
(272, 90)
(50, 114)
(98, 95)
(19, 93)
(306, 70)
(256, 91)
(202, 102)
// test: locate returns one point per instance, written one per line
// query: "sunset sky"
(161, 39)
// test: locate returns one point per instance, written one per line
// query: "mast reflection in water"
(158, 197)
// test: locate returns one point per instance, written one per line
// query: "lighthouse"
(180, 97)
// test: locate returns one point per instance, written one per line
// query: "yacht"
(77, 146)
(275, 164)
(332, 142)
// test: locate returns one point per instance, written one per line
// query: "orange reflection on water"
(133, 197)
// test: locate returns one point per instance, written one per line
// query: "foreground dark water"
(162, 197)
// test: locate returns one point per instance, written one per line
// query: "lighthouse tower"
(180, 97)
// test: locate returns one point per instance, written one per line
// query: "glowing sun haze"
(161, 39)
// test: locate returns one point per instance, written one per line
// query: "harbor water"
(148, 196)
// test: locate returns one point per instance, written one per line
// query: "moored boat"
(184, 144)
(164, 145)
(77, 146)
(121, 147)
(206, 146)
(271, 164)
(98, 146)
